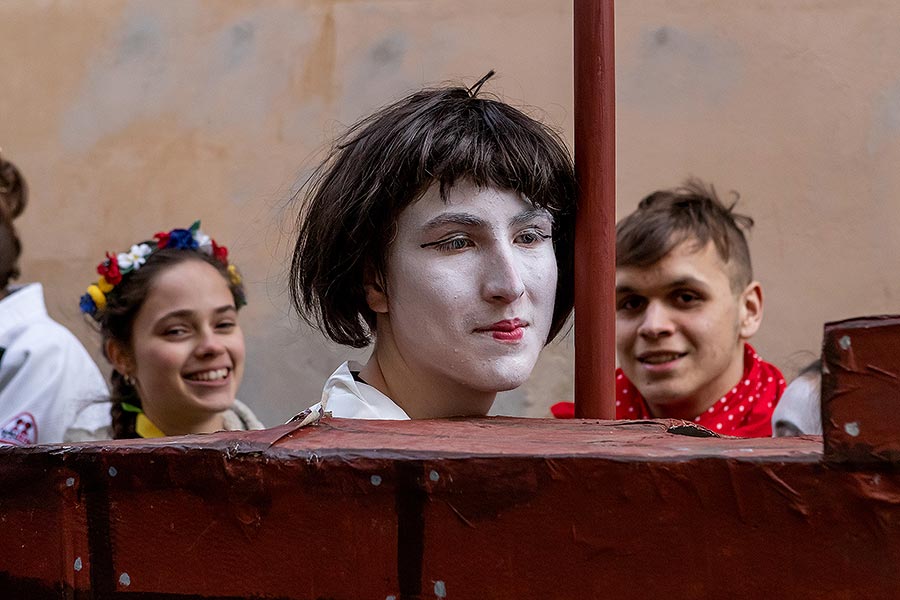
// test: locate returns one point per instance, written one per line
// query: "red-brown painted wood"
(861, 390)
(595, 168)
(487, 508)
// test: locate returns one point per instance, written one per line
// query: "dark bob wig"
(387, 161)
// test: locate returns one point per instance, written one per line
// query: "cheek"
(624, 334)
(238, 353)
(157, 361)
(714, 329)
(540, 276)
(424, 289)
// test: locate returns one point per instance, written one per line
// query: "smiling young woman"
(167, 311)
(441, 228)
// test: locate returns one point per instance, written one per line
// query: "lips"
(508, 330)
(659, 357)
(209, 375)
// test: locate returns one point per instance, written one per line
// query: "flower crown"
(115, 267)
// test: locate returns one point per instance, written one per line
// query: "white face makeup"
(471, 285)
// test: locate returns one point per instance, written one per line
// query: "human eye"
(687, 298)
(531, 236)
(453, 243)
(175, 331)
(226, 325)
(630, 303)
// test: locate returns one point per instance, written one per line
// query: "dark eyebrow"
(530, 215)
(187, 313)
(689, 282)
(464, 219)
(624, 289)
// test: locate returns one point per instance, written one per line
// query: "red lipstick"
(509, 330)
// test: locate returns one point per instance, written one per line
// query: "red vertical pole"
(595, 248)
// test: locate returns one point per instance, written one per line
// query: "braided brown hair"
(117, 320)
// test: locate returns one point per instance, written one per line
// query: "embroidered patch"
(21, 430)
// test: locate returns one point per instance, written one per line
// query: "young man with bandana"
(686, 306)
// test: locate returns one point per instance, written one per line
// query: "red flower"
(220, 252)
(162, 240)
(109, 269)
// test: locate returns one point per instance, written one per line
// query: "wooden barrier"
(488, 508)
(861, 390)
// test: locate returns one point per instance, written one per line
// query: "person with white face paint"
(441, 228)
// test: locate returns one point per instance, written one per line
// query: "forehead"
(190, 285)
(686, 261)
(488, 203)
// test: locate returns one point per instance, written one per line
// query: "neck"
(421, 395)
(186, 424)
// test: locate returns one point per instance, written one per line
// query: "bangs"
(386, 162)
(446, 137)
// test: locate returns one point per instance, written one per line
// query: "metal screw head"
(852, 428)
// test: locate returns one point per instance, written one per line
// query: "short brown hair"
(667, 218)
(386, 162)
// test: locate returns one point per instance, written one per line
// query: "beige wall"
(130, 117)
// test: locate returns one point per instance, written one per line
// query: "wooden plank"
(480, 508)
(861, 390)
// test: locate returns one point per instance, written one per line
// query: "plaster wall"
(128, 117)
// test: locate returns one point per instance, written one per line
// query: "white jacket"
(46, 375)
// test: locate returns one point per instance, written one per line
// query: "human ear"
(376, 296)
(120, 357)
(751, 310)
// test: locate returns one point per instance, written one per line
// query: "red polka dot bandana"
(745, 411)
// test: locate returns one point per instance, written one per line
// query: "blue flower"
(87, 304)
(182, 239)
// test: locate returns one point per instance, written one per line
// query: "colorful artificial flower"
(162, 240)
(220, 252)
(233, 275)
(87, 305)
(204, 242)
(97, 296)
(117, 266)
(105, 286)
(182, 239)
(134, 258)
(109, 269)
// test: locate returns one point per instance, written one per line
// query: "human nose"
(656, 321)
(209, 343)
(503, 280)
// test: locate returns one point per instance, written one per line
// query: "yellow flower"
(234, 275)
(97, 296)
(104, 285)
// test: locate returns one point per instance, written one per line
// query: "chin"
(215, 405)
(502, 377)
(661, 395)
